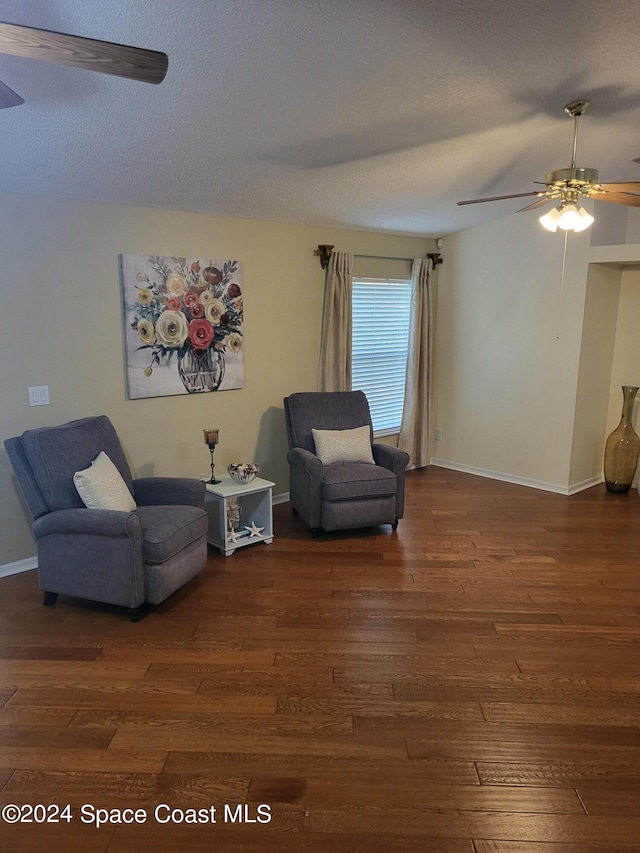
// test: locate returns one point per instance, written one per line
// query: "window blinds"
(380, 334)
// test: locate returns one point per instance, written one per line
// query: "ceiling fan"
(571, 183)
(136, 63)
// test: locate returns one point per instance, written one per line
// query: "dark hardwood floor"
(470, 684)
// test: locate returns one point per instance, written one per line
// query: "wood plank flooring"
(470, 684)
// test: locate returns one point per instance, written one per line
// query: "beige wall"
(534, 339)
(626, 355)
(508, 337)
(61, 326)
(594, 378)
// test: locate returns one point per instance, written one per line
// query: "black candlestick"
(211, 439)
(212, 447)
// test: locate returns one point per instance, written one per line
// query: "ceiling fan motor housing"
(579, 178)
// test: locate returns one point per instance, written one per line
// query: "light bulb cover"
(568, 217)
(584, 221)
(550, 219)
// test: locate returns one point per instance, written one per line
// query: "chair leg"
(394, 526)
(50, 598)
(135, 613)
(294, 512)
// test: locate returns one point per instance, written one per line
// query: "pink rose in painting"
(191, 297)
(197, 311)
(200, 333)
(173, 304)
(195, 267)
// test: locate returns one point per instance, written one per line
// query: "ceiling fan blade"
(136, 63)
(9, 98)
(618, 198)
(623, 187)
(500, 197)
(540, 203)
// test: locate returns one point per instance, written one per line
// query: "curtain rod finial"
(324, 252)
(436, 258)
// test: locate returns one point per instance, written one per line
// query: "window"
(381, 309)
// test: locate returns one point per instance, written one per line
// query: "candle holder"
(211, 439)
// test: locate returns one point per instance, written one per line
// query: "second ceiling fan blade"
(9, 98)
(618, 198)
(501, 197)
(136, 63)
(540, 203)
(622, 187)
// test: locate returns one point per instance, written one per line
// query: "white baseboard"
(585, 484)
(280, 499)
(519, 481)
(19, 566)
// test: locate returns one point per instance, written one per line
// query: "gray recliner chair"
(346, 494)
(121, 558)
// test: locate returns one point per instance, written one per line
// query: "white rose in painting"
(213, 311)
(146, 332)
(234, 342)
(176, 285)
(171, 328)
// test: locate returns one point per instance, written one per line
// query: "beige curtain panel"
(335, 344)
(415, 428)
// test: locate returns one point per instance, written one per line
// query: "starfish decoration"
(253, 529)
(233, 535)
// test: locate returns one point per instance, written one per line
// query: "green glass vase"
(622, 447)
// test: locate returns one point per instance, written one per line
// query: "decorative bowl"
(243, 472)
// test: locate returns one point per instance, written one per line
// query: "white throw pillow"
(343, 445)
(101, 486)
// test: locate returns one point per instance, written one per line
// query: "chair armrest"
(388, 456)
(307, 460)
(88, 522)
(163, 491)
(305, 485)
(92, 553)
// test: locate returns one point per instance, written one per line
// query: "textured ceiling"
(362, 113)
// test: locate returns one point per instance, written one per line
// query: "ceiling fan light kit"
(568, 217)
(569, 185)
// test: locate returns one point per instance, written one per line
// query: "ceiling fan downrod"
(575, 109)
(575, 178)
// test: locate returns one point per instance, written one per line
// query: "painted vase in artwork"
(622, 447)
(201, 370)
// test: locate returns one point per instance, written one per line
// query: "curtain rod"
(324, 252)
(382, 258)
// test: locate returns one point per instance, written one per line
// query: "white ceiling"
(374, 114)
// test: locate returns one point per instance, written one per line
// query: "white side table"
(256, 515)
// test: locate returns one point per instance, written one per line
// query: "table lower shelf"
(242, 541)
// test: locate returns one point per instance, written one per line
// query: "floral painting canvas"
(183, 325)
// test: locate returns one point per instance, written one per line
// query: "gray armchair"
(122, 558)
(347, 494)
